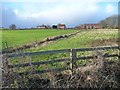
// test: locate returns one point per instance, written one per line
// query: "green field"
(16, 38)
(89, 38)
(85, 38)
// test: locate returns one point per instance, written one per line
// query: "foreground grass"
(16, 38)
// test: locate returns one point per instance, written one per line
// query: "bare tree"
(110, 22)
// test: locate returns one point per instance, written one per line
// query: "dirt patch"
(104, 42)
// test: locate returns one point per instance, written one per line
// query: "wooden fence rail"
(73, 58)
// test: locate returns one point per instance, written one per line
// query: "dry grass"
(98, 74)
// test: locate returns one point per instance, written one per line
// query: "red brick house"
(89, 26)
(61, 26)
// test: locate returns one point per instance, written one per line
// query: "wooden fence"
(73, 58)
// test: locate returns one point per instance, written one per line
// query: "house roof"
(61, 24)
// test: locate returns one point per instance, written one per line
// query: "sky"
(31, 13)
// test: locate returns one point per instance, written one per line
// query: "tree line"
(110, 22)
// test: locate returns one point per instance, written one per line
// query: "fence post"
(119, 53)
(73, 59)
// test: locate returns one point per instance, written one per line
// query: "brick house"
(61, 26)
(89, 26)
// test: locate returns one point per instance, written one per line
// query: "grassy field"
(16, 38)
(87, 38)
(83, 39)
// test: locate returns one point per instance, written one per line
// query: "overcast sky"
(71, 12)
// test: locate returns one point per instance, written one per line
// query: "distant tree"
(103, 24)
(110, 22)
(12, 26)
(48, 26)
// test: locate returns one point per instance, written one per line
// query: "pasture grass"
(16, 38)
(81, 40)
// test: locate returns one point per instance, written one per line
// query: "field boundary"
(72, 59)
(37, 43)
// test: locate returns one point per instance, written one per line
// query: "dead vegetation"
(105, 42)
(107, 77)
(100, 73)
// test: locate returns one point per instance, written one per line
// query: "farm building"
(89, 26)
(54, 26)
(61, 26)
(42, 27)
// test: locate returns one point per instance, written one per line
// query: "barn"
(89, 26)
(61, 26)
(54, 26)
